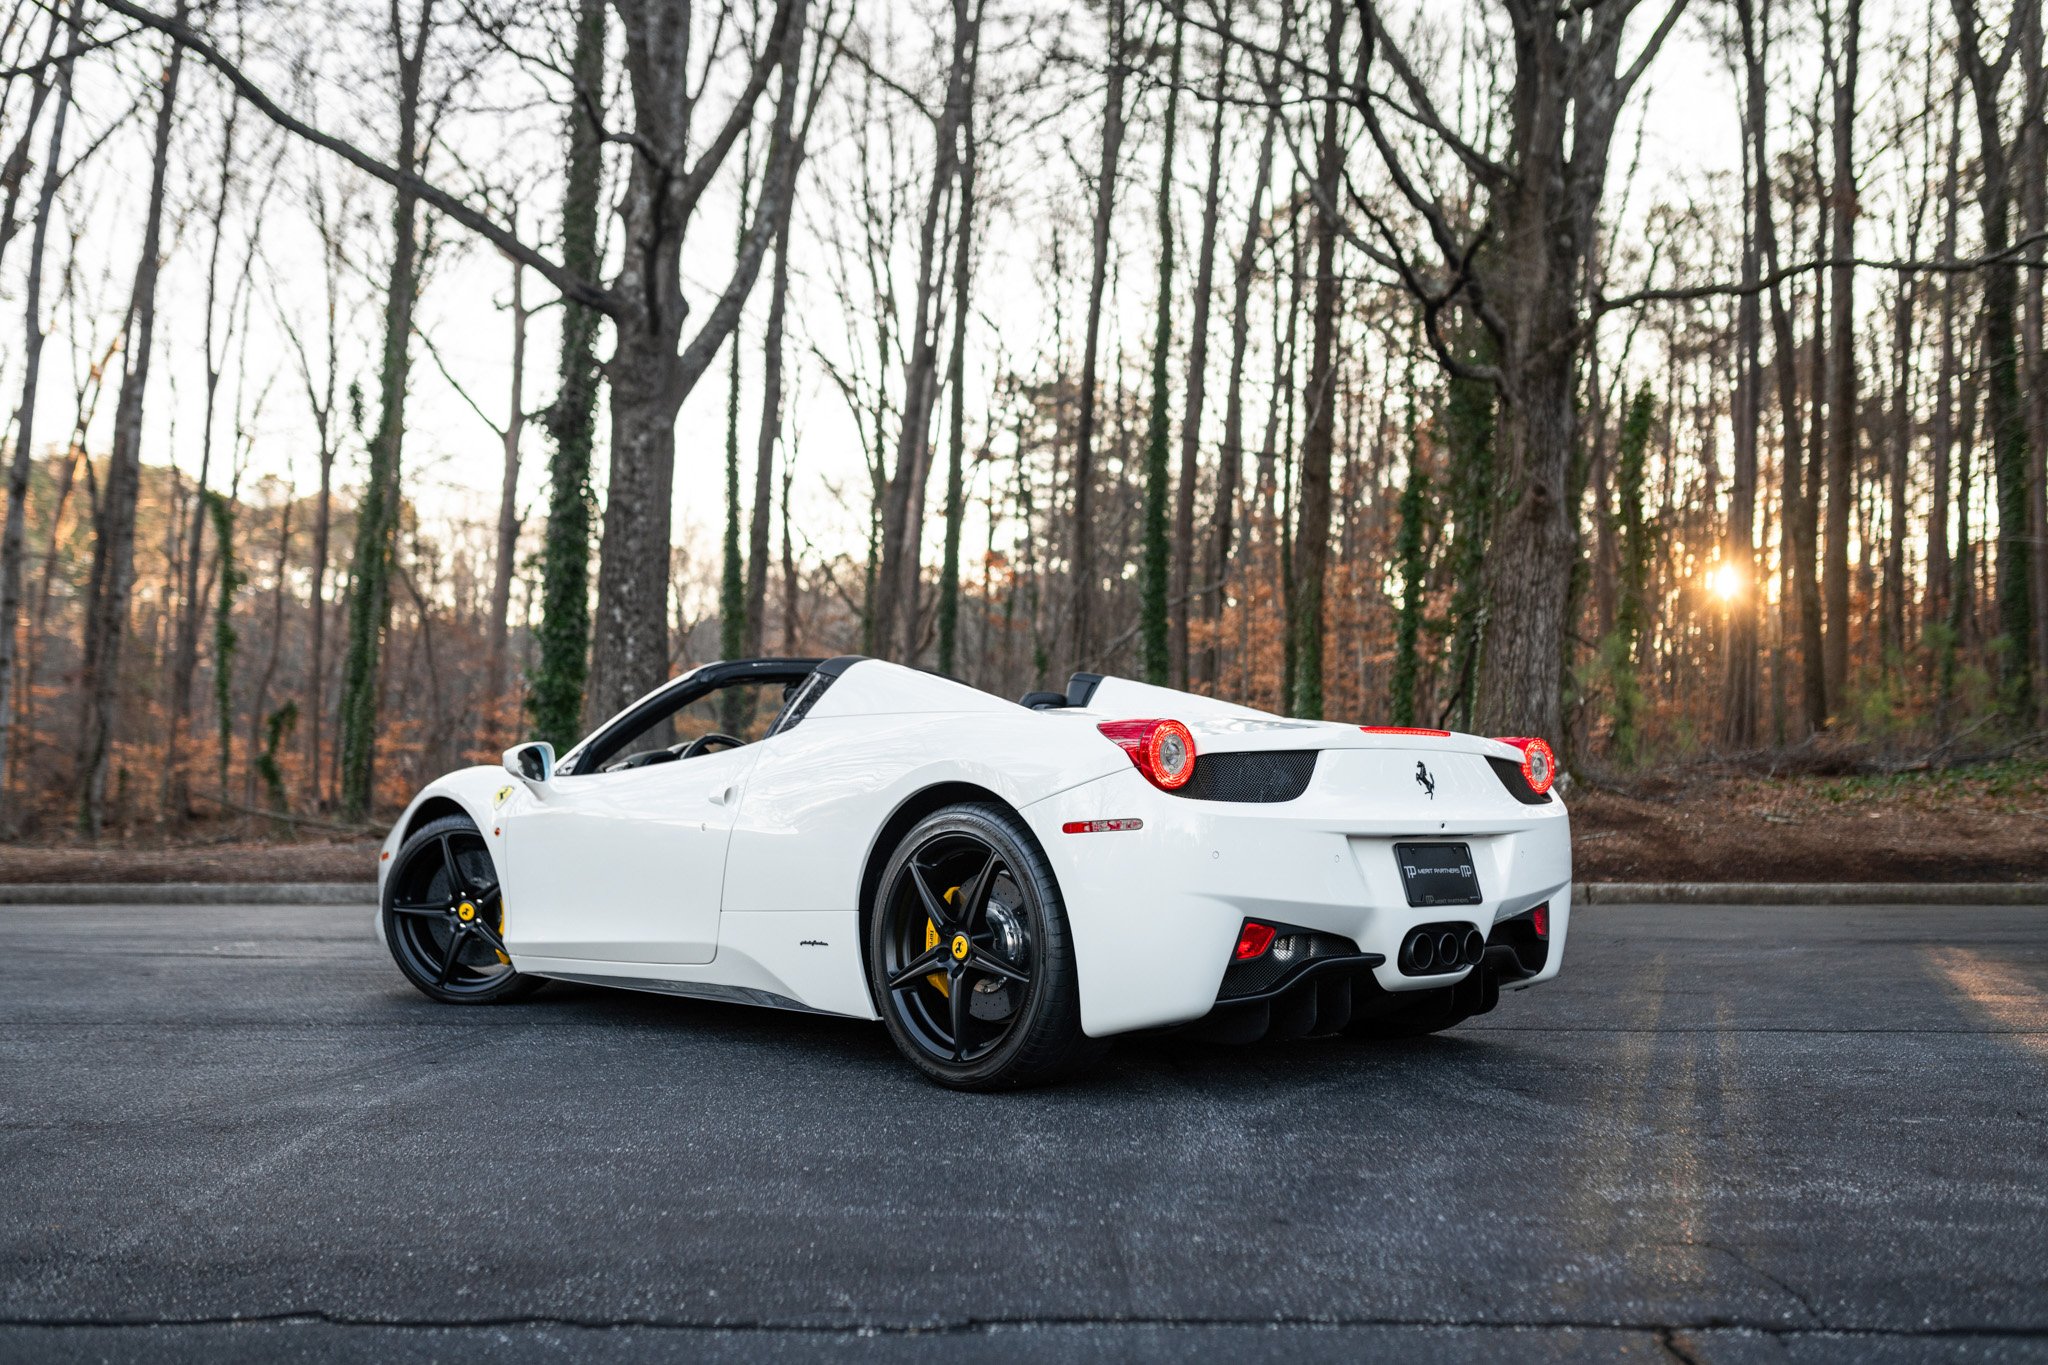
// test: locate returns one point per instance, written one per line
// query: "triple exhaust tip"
(1434, 949)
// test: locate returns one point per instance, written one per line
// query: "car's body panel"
(740, 874)
(625, 866)
(1166, 902)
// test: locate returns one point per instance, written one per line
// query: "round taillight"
(1163, 750)
(1170, 754)
(1539, 763)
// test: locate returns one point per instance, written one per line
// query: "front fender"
(477, 792)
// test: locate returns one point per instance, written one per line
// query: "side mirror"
(531, 763)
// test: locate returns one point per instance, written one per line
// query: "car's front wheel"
(970, 956)
(444, 917)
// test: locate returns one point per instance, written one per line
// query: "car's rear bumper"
(1156, 911)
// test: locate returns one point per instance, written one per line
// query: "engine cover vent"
(1259, 777)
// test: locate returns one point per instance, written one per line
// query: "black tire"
(1415, 1016)
(970, 957)
(444, 917)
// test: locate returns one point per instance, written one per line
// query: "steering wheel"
(703, 742)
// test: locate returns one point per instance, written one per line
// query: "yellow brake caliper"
(931, 941)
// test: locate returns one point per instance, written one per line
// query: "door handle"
(719, 798)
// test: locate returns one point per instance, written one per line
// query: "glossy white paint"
(626, 866)
(739, 874)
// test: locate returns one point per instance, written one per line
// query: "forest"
(395, 382)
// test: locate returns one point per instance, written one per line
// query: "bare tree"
(1520, 274)
(2004, 413)
(1309, 569)
(1230, 469)
(653, 367)
(1739, 700)
(1083, 586)
(13, 540)
(377, 512)
(896, 583)
(323, 400)
(1184, 548)
(113, 557)
(1841, 400)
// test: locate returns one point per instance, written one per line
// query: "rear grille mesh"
(1510, 774)
(1291, 949)
(1257, 777)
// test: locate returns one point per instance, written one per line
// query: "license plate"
(1438, 874)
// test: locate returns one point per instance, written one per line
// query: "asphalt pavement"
(1724, 1134)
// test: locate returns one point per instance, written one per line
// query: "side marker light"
(1099, 826)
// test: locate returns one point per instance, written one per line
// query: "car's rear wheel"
(970, 956)
(444, 917)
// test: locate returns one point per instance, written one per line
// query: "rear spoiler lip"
(1223, 734)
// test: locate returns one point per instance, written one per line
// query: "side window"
(744, 710)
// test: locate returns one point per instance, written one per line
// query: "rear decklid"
(1384, 769)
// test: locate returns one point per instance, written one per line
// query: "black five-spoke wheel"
(970, 956)
(444, 916)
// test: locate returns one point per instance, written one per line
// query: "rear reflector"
(1253, 940)
(1099, 826)
(1539, 919)
(1404, 730)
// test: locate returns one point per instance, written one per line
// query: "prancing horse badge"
(1424, 780)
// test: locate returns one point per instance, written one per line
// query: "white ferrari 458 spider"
(1003, 884)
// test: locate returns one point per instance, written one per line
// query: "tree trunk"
(369, 604)
(1410, 553)
(1312, 533)
(1739, 690)
(1081, 629)
(771, 431)
(13, 540)
(896, 585)
(1184, 549)
(261, 700)
(2030, 157)
(1230, 469)
(1841, 462)
(649, 377)
(732, 580)
(506, 560)
(555, 691)
(1943, 437)
(2004, 412)
(1896, 589)
(14, 170)
(790, 588)
(113, 557)
(956, 380)
(1154, 568)
(185, 653)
